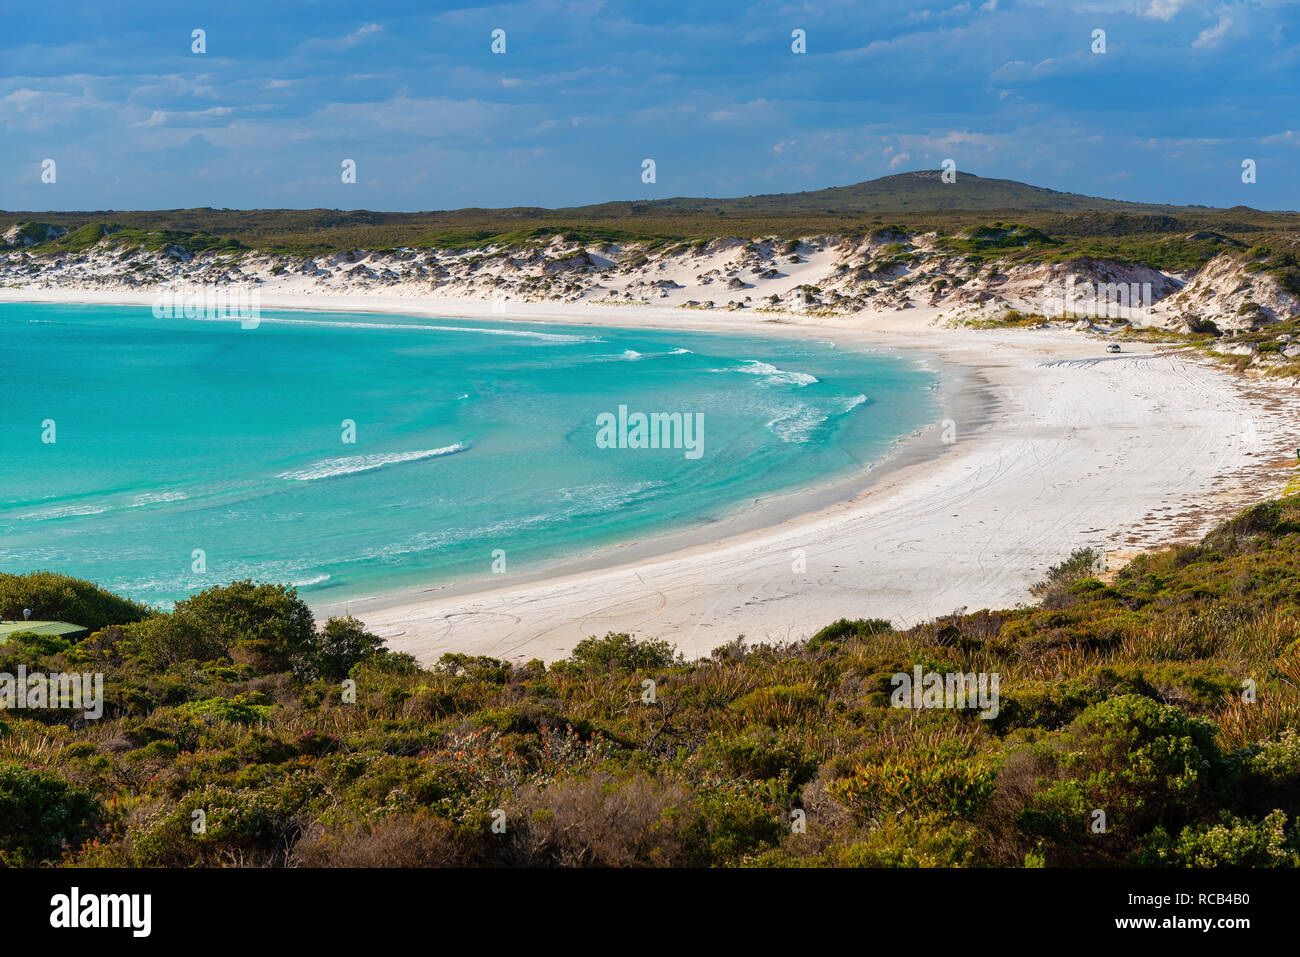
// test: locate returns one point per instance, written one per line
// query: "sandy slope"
(1080, 448)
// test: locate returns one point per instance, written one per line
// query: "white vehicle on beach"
(1113, 347)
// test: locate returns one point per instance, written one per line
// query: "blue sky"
(588, 89)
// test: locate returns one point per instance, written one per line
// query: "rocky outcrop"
(1234, 293)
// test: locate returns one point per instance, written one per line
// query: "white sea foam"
(99, 508)
(290, 572)
(157, 498)
(631, 355)
(67, 511)
(772, 373)
(603, 497)
(352, 464)
(754, 367)
(798, 423)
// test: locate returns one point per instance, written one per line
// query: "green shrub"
(1239, 532)
(844, 628)
(760, 753)
(918, 782)
(53, 597)
(477, 667)
(33, 646)
(341, 644)
(40, 812)
(239, 710)
(737, 819)
(264, 626)
(1142, 763)
(236, 827)
(1044, 704)
(1080, 565)
(166, 640)
(1278, 759)
(622, 652)
(910, 841)
(1232, 842)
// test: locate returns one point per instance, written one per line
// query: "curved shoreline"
(775, 510)
(1125, 453)
(956, 392)
(1065, 461)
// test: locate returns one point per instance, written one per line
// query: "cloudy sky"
(586, 90)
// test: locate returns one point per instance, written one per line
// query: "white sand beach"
(1120, 452)
(1071, 447)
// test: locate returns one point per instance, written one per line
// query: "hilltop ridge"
(918, 200)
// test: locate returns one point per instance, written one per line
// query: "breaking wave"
(771, 373)
(352, 464)
(799, 423)
(82, 510)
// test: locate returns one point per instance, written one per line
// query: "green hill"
(915, 200)
(920, 190)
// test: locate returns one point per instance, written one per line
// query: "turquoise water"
(471, 438)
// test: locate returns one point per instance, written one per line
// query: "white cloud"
(356, 36)
(1210, 36)
(1161, 9)
(344, 42)
(1288, 137)
(185, 118)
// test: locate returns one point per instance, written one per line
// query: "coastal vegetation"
(1147, 716)
(981, 218)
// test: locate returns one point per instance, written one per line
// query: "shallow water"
(188, 453)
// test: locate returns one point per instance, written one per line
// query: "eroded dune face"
(1233, 294)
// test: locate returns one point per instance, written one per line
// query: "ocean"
(355, 455)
